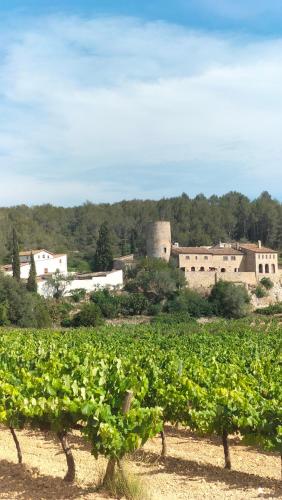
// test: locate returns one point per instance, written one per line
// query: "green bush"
(133, 304)
(77, 295)
(108, 303)
(267, 283)
(229, 300)
(89, 315)
(191, 303)
(20, 307)
(173, 319)
(260, 292)
(270, 310)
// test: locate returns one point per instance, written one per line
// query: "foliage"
(77, 295)
(229, 300)
(19, 307)
(172, 319)
(89, 315)
(267, 283)
(132, 304)
(221, 378)
(57, 284)
(156, 279)
(16, 257)
(191, 303)
(103, 260)
(270, 310)
(31, 285)
(260, 292)
(108, 303)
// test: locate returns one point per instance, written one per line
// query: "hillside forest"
(194, 221)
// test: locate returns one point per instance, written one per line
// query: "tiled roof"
(253, 247)
(205, 251)
(29, 252)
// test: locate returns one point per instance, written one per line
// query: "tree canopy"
(194, 221)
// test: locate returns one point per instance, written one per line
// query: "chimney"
(176, 244)
(259, 243)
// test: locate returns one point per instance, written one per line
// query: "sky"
(109, 100)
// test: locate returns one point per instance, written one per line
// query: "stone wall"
(205, 280)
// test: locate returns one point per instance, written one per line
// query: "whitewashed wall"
(108, 280)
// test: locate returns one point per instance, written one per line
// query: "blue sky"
(110, 100)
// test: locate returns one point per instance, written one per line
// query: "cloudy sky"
(108, 100)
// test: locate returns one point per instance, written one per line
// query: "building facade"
(46, 263)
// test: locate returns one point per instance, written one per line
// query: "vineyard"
(118, 386)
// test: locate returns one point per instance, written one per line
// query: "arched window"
(266, 268)
(193, 269)
(273, 268)
(260, 268)
(222, 270)
(202, 268)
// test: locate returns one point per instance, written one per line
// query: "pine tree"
(32, 282)
(103, 260)
(15, 257)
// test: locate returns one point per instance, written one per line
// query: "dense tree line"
(196, 221)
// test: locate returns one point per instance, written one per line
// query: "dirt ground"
(192, 469)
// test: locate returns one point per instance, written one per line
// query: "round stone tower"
(159, 240)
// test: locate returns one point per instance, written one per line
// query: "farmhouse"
(46, 263)
(203, 266)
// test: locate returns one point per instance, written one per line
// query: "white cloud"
(82, 98)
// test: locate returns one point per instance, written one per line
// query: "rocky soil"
(192, 469)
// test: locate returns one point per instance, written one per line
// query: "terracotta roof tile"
(253, 247)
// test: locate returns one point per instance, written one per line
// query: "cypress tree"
(103, 260)
(16, 257)
(32, 282)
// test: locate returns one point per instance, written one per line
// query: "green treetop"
(15, 257)
(32, 282)
(103, 260)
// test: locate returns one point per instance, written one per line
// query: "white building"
(90, 282)
(46, 263)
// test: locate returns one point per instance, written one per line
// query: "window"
(164, 249)
(222, 270)
(206, 257)
(233, 257)
(202, 268)
(262, 256)
(258, 256)
(48, 256)
(60, 261)
(187, 257)
(273, 268)
(260, 268)
(46, 270)
(193, 269)
(266, 268)
(225, 257)
(43, 256)
(235, 270)
(196, 257)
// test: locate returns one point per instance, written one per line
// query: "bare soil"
(193, 469)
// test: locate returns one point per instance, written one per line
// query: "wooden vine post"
(110, 471)
(226, 449)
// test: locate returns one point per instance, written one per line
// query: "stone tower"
(159, 240)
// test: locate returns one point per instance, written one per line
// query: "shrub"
(89, 315)
(108, 303)
(260, 292)
(20, 307)
(77, 295)
(267, 283)
(173, 319)
(270, 310)
(156, 279)
(229, 300)
(133, 304)
(191, 303)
